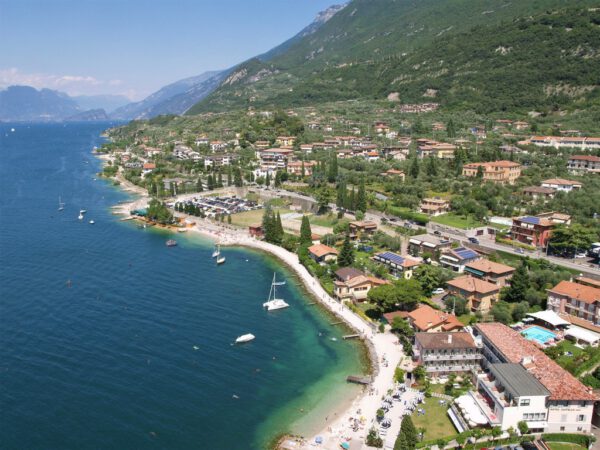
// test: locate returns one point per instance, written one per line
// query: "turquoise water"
(109, 360)
(538, 334)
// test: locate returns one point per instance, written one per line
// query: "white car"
(438, 291)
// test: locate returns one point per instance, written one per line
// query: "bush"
(580, 439)
(373, 439)
(399, 375)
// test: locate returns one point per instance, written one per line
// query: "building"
(502, 172)
(426, 319)
(217, 146)
(285, 141)
(354, 285)
(455, 259)
(295, 167)
(273, 159)
(490, 271)
(441, 150)
(582, 143)
(322, 253)
(537, 230)
(362, 228)
(225, 159)
(434, 206)
(393, 173)
(569, 404)
(427, 243)
(577, 300)
(443, 353)
(398, 266)
(539, 192)
(584, 163)
(480, 294)
(560, 184)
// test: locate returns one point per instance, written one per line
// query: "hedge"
(580, 439)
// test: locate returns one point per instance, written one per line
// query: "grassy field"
(454, 220)
(563, 446)
(435, 421)
(325, 220)
(247, 218)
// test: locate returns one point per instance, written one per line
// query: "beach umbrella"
(345, 445)
(386, 423)
(388, 399)
(319, 439)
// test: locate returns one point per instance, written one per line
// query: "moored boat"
(245, 338)
(171, 243)
(273, 303)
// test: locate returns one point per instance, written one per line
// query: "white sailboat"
(217, 251)
(80, 216)
(273, 302)
(61, 205)
(220, 260)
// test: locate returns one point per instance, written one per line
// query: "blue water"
(538, 334)
(108, 361)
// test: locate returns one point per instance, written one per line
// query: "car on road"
(520, 251)
(438, 291)
(473, 240)
(437, 232)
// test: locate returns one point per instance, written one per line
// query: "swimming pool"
(538, 334)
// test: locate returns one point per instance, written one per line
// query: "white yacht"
(245, 338)
(217, 251)
(273, 302)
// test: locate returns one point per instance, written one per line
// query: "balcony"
(450, 357)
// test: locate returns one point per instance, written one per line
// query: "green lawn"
(254, 217)
(454, 220)
(325, 220)
(435, 421)
(465, 319)
(563, 446)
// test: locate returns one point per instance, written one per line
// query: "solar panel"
(392, 257)
(465, 253)
(531, 219)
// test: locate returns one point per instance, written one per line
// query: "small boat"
(171, 243)
(82, 211)
(245, 338)
(217, 251)
(220, 260)
(61, 205)
(273, 302)
(92, 222)
(80, 216)
(182, 230)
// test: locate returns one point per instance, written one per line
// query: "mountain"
(105, 102)
(92, 115)
(174, 98)
(24, 103)
(370, 49)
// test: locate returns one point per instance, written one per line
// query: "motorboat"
(245, 338)
(273, 303)
(171, 243)
(92, 222)
(220, 260)
(82, 211)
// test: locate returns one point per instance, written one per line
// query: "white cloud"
(71, 84)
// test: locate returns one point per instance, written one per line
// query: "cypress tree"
(303, 173)
(333, 168)
(267, 224)
(229, 176)
(220, 180)
(451, 129)
(267, 180)
(341, 195)
(346, 257)
(237, 177)
(352, 200)
(199, 186)
(414, 167)
(305, 232)
(407, 428)
(279, 229)
(210, 184)
(277, 179)
(361, 200)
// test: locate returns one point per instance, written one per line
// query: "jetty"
(358, 380)
(351, 336)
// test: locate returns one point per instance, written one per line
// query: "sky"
(135, 47)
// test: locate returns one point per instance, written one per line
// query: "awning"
(581, 334)
(414, 241)
(429, 244)
(549, 317)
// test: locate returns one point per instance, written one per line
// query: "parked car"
(520, 251)
(580, 255)
(437, 232)
(473, 240)
(438, 291)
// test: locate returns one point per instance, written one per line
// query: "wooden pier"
(358, 380)
(336, 323)
(351, 336)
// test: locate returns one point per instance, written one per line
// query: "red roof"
(471, 284)
(589, 158)
(320, 250)
(587, 294)
(516, 349)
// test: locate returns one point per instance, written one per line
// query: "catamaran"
(217, 251)
(273, 302)
(61, 205)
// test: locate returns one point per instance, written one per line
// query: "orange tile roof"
(587, 294)
(320, 250)
(471, 284)
(425, 317)
(502, 163)
(561, 181)
(585, 158)
(588, 281)
(516, 349)
(485, 265)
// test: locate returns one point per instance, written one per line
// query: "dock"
(351, 336)
(358, 380)
(336, 323)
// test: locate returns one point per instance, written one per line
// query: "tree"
(220, 180)
(305, 232)
(457, 304)
(341, 195)
(361, 199)
(398, 375)
(572, 239)
(479, 174)
(431, 167)
(430, 277)
(323, 199)
(210, 183)
(401, 326)
(414, 167)
(501, 312)
(229, 180)
(408, 429)
(373, 439)
(267, 180)
(401, 442)
(450, 129)
(346, 256)
(237, 177)
(269, 225)
(332, 173)
(199, 186)
(277, 179)
(518, 285)
(523, 427)
(520, 310)
(158, 212)
(278, 229)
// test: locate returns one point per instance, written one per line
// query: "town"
(475, 244)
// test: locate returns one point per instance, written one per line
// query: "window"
(524, 402)
(581, 418)
(562, 428)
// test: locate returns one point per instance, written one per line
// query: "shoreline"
(379, 347)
